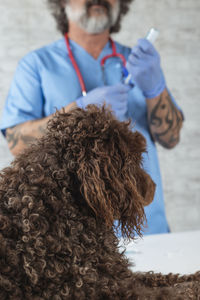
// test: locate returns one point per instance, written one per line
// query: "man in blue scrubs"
(46, 80)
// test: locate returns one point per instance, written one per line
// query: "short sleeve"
(25, 98)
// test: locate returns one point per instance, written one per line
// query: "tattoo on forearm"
(165, 121)
(14, 135)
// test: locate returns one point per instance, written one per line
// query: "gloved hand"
(115, 96)
(144, 66)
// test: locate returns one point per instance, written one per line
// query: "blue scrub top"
(45, 80)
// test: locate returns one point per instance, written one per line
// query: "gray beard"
(91, 24)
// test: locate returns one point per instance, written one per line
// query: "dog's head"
(105, 158)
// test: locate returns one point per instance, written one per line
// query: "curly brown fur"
(58, 201)
(58, 11)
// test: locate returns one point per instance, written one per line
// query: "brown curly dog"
(58, 203)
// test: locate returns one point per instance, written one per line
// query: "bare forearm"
(20, 136)
(165, 120)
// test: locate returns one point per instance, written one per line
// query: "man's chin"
(96, 25)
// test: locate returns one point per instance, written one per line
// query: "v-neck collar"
(105, 51)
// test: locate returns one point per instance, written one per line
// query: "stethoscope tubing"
(103, 60)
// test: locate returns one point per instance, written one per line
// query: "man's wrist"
(70, 106)
(156, 91)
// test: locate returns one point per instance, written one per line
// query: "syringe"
(151, 36)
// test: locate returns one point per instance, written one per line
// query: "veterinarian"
(86, 66)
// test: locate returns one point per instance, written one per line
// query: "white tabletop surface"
(167, 253)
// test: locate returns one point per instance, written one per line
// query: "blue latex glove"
(144, 66)
(115, 96)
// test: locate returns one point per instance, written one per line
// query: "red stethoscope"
(76, 68)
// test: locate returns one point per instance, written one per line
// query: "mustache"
(103, 3)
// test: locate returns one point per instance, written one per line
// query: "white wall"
(27, 24)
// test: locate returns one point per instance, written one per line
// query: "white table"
(166, 253)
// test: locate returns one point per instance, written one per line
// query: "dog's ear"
(119, 197)
(137, 191)
(94, 191)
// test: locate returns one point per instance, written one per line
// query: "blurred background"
(27, 24)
